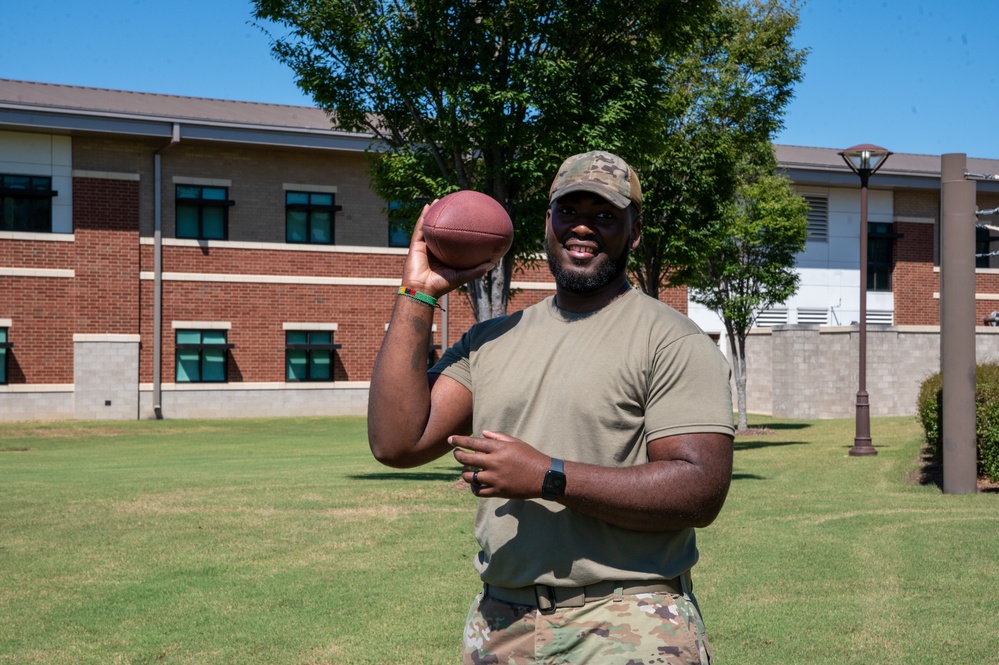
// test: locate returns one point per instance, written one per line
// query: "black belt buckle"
(544, 598)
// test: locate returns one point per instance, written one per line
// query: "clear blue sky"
(908, 75)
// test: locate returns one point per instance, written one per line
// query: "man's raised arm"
(410, 418)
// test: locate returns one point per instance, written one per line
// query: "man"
(603, 437)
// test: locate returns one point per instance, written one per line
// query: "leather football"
(466, 229)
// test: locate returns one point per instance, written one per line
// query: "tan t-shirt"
(593, 388)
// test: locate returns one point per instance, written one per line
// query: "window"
(399, 223)
(203, 212)
(818, 218)
(309, 355)
(879, 255)
(309, 217)
(4, 352)
(27, 203)
(983, 247)
(202, 356)
(399, 235)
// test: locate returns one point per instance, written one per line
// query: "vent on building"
(771, 317)
(818, 217)
(813, 316)
(881, 317)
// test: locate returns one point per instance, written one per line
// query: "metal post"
(158, 271)
(157, 287)
(445, 339)
(957, 325)
(862, 440)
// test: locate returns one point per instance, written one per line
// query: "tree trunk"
(647, 269)
(737, 345)
(490, 293)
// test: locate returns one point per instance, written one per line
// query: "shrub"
(929, 410)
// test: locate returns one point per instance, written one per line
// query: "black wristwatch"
(554, 485)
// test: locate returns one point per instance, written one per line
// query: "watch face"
(554, 484)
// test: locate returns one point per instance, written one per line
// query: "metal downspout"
(158, 272)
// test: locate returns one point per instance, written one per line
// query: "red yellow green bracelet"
(422, 297)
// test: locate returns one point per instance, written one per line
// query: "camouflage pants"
(637, 629)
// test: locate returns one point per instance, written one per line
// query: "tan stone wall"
(814, 371)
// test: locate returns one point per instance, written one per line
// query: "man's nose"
(582, 227)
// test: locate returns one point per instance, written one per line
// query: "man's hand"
(423, 272)
(499, 466)
(682, 485)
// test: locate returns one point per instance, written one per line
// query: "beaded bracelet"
(422, 297)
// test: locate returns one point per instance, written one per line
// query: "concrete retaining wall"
(810, 372)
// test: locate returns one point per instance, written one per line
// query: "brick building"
(802, 358)
(186, 257)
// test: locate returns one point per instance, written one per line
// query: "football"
(466, 229)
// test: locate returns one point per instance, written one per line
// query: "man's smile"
(581, 249)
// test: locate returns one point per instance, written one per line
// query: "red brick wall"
(41, 310)
(914, 281)
(225, 260)
(106, 227)
(35, 254)
(987, 283)
(257, 311)
(102, 297)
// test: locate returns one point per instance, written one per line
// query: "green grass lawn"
(283, 541)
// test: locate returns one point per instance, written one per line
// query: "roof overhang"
(823, 167)
(31, 118)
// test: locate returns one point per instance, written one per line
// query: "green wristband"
(422, 297)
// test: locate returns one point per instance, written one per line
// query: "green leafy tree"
(725, 103)
(751, 267)
(487, 95)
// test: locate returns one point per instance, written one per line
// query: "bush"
(929, 408)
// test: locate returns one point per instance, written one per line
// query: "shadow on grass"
(753, 444)
(747, 476)
(408, 475)
(779, 426)
(930, 472)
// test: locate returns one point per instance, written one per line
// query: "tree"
(751, 267)
(488, 95)
(726, 102)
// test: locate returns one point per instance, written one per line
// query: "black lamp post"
(864, 160)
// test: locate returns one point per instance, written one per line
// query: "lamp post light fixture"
(864, 160)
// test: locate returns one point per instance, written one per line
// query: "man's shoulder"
(656, 312)
(489, 329)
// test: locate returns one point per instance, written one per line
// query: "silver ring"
(475, 477)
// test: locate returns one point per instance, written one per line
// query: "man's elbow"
(392, 454)
(386, 454)
(711, 507)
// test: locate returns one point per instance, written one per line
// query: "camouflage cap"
(601, 173)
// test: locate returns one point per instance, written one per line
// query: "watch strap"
(558, 466)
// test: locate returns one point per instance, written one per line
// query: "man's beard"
(575, 282)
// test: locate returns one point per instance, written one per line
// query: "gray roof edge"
(42, 106)
(19, 116)
(181, 120)
(49, 105)
(803, 158)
